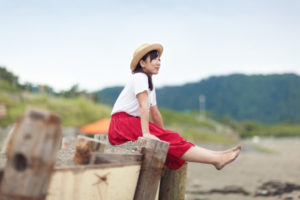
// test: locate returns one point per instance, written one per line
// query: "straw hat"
(143, 50)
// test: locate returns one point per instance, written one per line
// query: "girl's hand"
(150, 136)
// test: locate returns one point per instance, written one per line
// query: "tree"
(8, 76)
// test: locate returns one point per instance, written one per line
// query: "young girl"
(130, 115)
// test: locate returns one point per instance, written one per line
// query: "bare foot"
(228, 157)
(238, 147)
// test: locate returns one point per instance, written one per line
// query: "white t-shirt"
(127, 100)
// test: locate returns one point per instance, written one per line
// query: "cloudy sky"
(61, 43)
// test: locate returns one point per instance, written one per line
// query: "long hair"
(153, 54)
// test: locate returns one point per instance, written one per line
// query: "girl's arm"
(144, 108)
(156, 116)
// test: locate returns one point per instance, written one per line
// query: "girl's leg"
(226, 151)
(202, 155)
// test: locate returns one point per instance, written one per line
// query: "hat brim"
(138, 56)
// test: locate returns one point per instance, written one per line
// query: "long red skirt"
(124, 127)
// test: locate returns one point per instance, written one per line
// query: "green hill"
(79, 111)
(266, 98)
(77, 108)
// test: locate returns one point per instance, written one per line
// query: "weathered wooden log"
(101, 158)
(172, 184)
(112, 181)
(84, 148)
(155, 153)
(4, 147)
(31, 154)
(1, 176)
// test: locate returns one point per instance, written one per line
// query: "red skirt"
(124, 127)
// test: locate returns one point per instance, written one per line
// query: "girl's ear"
(142, 63)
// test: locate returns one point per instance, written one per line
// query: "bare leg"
(202, 155)
(226, 151)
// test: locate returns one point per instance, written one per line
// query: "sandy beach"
(250, 171)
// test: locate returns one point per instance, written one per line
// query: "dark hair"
(153, 54)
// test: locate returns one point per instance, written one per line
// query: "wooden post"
(101, 158)
(113, 181)
(4, 147)
(155, 153)
(84, 148)
(31, 154)
(172, 184)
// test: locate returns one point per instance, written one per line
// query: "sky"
(91, 43)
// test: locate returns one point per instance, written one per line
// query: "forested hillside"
(266, 98)
(77, 108)
(243, 93)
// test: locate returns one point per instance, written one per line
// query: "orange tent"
(97, 127)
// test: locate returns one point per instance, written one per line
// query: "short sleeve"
(140, 81)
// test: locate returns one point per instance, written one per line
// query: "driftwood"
(113, 181)
(135, 174)
(102, 158)
(31, 154)
(172, 185)
(84, 148)
(155, 153)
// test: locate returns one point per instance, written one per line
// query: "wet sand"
(248, 172)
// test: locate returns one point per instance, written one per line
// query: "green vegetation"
(73, 112)
(191, 126)
(8, 77)
(5, 85)
(108, 95)
(198, 135)
(197, 128)
(77, 108)
(251, 128)
(80, 111)
(267, 98)
(175, 118)
(73, 106)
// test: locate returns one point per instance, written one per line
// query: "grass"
(249, 129)
(6, 86)
(196, 129)
(175, 118)
(73, 112)
(79, 111)
(196, 136)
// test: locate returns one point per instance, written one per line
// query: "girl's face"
(150, 67)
